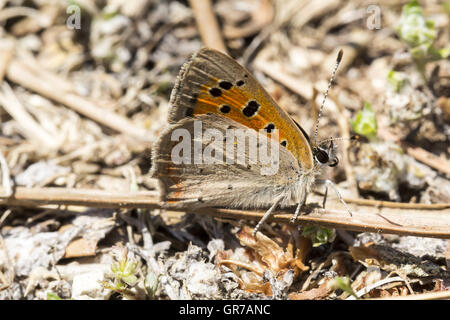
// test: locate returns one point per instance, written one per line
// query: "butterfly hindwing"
(229, 184)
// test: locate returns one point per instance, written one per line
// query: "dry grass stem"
(30, 77)
(6, 179)
(30, 128)
(207, 24)
(426, 223)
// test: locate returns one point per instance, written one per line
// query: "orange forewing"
(236, 98)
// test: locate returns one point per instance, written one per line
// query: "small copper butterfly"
(214, 90)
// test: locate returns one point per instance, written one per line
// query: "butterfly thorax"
(323, 155)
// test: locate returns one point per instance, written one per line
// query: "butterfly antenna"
(355, 137)
(338, 60)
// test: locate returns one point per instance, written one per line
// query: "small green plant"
(342, 283)
(52, 296)
(124, 274)
(109, 13)
(397, 80)
(365, 122)
(151, 284)
(319, 235)
(419, 34)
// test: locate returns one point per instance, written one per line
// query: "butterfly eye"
(322, 156)
(334, 163)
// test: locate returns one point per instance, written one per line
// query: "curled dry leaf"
(273, 255)
(262, 253)
(251, 282)
(81, 248)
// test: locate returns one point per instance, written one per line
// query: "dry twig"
(274, 70)
(6, 281)
(426, 223)
(29, 127)
(207, 24)
(440, 295)
(367, 289)
(6, 182)
(29, 75)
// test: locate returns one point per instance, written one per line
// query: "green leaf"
(419, 34)
(413, 28)
(109, 13)
(130, 279)
(130, 267)
(365, 123)
(397, 80)
(124, 271)
(115, 268)
(319, 235)
(52, 296)
(444, 52)
(342, 283)
(429, 24)
(438, 54)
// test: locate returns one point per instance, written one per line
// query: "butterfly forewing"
(212, 82)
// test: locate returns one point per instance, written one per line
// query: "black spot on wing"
(269, 128)
(215, 92)
(225, 85)
(225, 109)
(251, 109)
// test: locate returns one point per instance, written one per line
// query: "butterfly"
(216, 91)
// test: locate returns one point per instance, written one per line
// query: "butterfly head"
(325, 154)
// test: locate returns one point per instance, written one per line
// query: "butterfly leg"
(267, 214)
(325, 196)
(329, 183)
(300, 204)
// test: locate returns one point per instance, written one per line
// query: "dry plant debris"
(84, 91)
